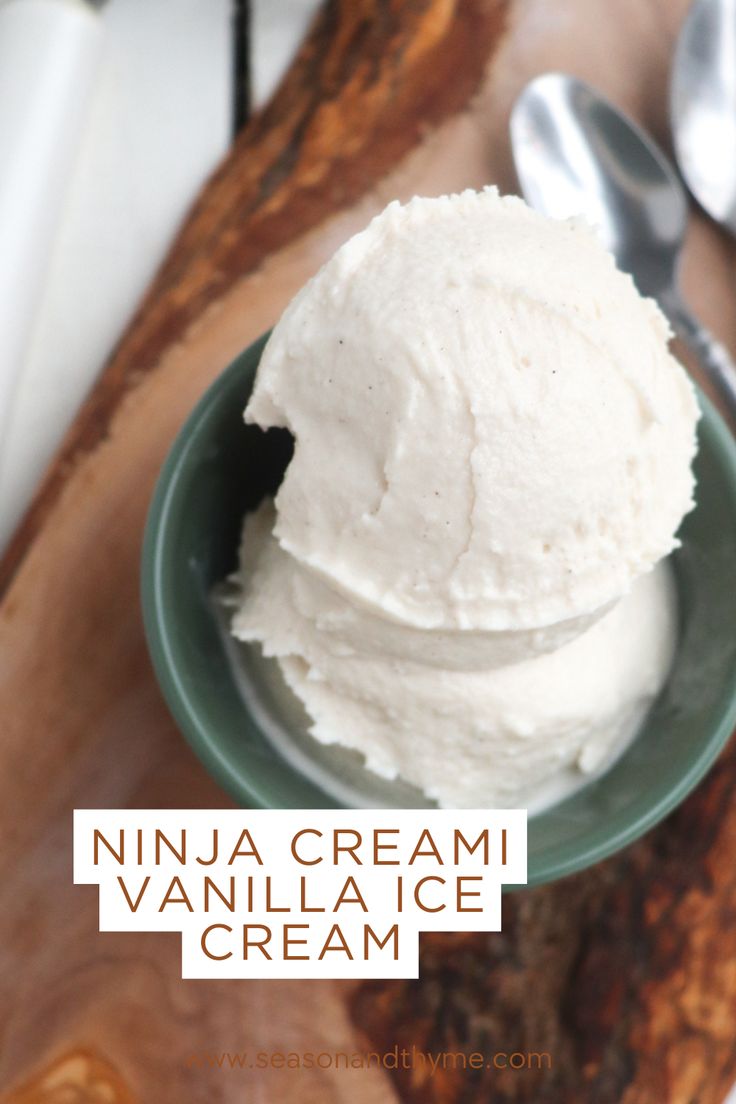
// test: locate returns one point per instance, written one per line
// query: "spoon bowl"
(575, 154)
(703, 106)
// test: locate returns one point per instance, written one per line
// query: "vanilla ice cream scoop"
(519, 734)
(491, 434)
(492, 451)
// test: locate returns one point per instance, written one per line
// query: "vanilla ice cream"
(492, 444)
(468, 738)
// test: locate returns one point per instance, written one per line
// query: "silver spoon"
(576, 154)
(703, 106)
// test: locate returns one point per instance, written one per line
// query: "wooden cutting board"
(626, 974)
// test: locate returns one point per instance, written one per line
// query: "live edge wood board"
(625, 974)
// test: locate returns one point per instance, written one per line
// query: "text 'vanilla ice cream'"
(492, 445)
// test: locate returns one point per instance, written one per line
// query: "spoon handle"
(714, 358)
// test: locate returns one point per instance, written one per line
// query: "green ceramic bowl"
(218, 468)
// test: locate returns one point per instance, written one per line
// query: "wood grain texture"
(626, 974)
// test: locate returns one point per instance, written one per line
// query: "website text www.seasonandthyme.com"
(410, 1058)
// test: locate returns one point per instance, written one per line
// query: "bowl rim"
(205, 744)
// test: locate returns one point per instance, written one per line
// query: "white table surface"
(158, 123)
